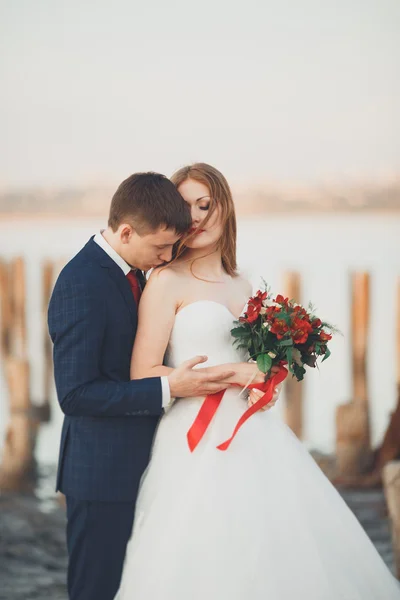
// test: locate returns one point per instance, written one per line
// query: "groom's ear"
(126, 232)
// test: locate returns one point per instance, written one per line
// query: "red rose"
(252, 313)
(300, 330)
(279, 328)
(316, 323)
(325, 337)
(301, 312)
(254, 306)
(281, 300)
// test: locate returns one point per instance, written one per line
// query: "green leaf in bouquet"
(310, 360)
(299, 371)
(327, 354)
(238, 332)
(289, 358)
(258, 333)
(285, 316)
(297, 355)
(264, 362)
(269, 339)
(285, 342)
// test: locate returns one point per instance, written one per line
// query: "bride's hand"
(247, 373)
(255, 395)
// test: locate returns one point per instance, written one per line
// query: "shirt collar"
(102, 242)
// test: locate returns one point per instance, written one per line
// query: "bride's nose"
(196, 216)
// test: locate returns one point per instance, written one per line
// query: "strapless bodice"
(203, 328)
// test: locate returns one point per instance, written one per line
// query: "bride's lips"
(195, 230)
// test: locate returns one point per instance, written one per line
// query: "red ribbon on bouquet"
(212, 402)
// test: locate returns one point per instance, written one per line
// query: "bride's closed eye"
(205, 203)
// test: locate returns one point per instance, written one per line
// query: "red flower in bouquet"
(325, 337)
(279, 327)
(281, 300)
(300, 330)
(302, 313)
(254, 306)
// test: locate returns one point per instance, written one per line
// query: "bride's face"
(197, 196)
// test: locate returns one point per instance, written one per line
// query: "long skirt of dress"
(259, 521)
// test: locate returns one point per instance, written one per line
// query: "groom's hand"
(186, 381)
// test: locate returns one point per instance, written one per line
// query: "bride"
(260, 520)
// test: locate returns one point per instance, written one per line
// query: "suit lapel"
(117, 275)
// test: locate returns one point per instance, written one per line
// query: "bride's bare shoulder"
(163, 283)
(244, 284)
(168, 276)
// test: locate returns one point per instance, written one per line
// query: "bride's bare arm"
(243, 373)
(156, 316)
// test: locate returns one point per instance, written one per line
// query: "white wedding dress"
(259, 521)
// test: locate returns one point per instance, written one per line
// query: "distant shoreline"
(13, 216)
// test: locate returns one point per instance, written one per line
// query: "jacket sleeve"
(77, 325)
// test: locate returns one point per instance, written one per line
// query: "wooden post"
(353, 448)
(44, 410)
(391, 480)
(390, 447)
(18, 338)
(48, 273)
(17, 458)
(293, 388)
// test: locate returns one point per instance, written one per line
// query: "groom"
(109, 420)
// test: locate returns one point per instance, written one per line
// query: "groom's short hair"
(148, 201)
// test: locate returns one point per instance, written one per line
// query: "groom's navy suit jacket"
(109, 420)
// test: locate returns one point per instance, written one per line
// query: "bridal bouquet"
(276, 332)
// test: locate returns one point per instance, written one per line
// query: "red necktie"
(134, 283)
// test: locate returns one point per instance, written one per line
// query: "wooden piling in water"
(17, 457)
(293, 388)
(353, 449)
(5, 306)
(47, 287)
(390, 447)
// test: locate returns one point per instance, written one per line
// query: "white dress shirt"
(102, 242)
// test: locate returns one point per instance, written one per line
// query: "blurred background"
(297, 104)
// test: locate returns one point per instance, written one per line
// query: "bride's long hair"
(221, 196)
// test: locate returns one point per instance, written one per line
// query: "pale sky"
(287, 90)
